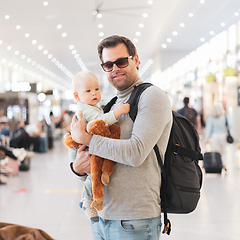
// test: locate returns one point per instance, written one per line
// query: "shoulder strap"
(227, 123)
(134, 99)
(107, 107)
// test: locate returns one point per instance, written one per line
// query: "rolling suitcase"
(212, 162)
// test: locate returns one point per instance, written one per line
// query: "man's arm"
(152, 125)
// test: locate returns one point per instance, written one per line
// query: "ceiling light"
(41, 97)
(211, 33)
(74, 51)
(101, 34)
(202, 1)
(150, 2)
(18, 27)
(40, 47)
(34, 41)
(76, 55)
(64, 34)
(190, 14)
(54, 59)
(33, 63)
(45, 52)
(10, 64)
(9, 48)
(202, 39)
(99, 15)
(236, 14)
(135, 40)
(38, 65)
(100, 26)
(16, 52)
(15, 66)
(7, 17)
(4, 60)
(59, 26)
(71, 47)
(23, 56)
(50, 56)
(45, 4)
(29, 60)
(223, 24)
(27, 35)
(175, 33)
(145, 15)
(164, 45)
(182, 25)
(141, 25)
(1, 42)
(169, 40)
(138, 34)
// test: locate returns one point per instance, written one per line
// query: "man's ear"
(136, 59)
(75, 95)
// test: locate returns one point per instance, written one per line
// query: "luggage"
(212, 162)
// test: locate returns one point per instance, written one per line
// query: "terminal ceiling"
(27, 26)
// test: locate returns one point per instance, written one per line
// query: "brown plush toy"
(101, 168)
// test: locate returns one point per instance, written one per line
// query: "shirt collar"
(126, 92)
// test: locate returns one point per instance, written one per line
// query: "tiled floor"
(47, 196)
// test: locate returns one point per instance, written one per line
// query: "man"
(190, 113)
(132, 198)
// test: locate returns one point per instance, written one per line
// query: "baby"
(87, 93)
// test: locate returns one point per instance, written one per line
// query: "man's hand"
(81, 165)
(78, 130)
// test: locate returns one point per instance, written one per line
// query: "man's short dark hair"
(186, 100)
(113, 41)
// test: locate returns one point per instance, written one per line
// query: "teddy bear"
(101, 168)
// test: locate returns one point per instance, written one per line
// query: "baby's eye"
(97, 89)
(88, 91)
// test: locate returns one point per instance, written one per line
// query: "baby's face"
(89, 92)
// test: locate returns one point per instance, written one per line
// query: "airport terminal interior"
(187, 48)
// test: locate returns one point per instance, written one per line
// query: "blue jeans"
(143, 229)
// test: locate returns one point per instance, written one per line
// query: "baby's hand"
(122, 109)
(125, 108)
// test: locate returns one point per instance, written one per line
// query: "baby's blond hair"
(82, 76)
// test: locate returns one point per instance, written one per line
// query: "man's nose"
(115, 67)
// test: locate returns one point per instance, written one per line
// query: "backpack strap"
(134, 99)
(176, 149)
(107, 107)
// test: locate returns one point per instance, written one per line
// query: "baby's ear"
(76, 97)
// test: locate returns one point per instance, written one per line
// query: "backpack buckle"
(176, 148)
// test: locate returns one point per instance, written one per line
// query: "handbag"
(229, 136)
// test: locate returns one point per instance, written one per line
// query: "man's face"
(121, 78)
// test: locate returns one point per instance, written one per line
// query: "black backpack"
(181, 174)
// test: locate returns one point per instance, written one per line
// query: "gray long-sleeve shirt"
(134, 188)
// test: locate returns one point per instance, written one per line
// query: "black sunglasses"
(120, 62)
